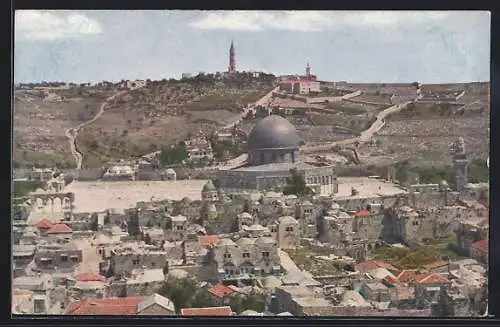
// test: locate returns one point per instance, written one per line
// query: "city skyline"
(390, 47)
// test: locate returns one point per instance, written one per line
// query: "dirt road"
(72, 133)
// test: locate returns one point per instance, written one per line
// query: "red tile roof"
(208, 240)
(211, 311)
(221, 291)
(435, 264)
(59, 229)
(482, 246)
(44, 224)
(370, 265)
(431, 279)
(363, 213)
(406, 276)
(118, 306)
(90, 277)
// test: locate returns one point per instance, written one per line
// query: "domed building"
(273, 150)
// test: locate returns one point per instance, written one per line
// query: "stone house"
(472, 230)
(247, 258)
(127, 257)
(368, 223)
(123, 306)
(308, 216)
(37, 284)
(452, 303)
(428, 288)
(58, 232)
(155, 305)
(221, 294)
(479, 251)
(375, 292)
(288, 232)
(30, 236)
(140, 282)
(22, 255)
(402, 297)
(437, 267)
(286, 297)
(57, 256)
(176, 228)
(337, 229)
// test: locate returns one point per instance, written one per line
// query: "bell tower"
(232, 59)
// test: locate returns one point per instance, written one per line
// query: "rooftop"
(59, 229)
(435, 264)
(367, 187)
(118, 306)
(221, 291)
(210, 311)
(44, 224)
(482, 246)
(158, 300)
(208, 240)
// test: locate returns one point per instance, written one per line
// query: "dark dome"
(273, 132)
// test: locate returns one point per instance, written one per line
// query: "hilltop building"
(232, 60)
(300, 84)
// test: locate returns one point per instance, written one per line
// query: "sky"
(355, 46)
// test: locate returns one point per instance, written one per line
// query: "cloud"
(309, 21)
(50, 25)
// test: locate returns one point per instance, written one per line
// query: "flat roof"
(367, 187)
(97, 196)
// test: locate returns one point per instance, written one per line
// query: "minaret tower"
(308, 70)
(232, 60)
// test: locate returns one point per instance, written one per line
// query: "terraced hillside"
(423, 132)
(164, 112)
(41, 118)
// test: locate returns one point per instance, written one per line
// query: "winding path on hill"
(72, 133)
(365, 136)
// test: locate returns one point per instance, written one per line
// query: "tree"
(253, 301)
(185, 293)
(296, 185)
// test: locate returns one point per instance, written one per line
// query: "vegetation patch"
(317, 267)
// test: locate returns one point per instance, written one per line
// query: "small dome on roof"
(287, 220)
(246, 241)
(226, 242)
(209, 186)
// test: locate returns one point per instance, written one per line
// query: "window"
(265, 254)
(64, 258)
(227, 255)
(415, 223)
(180, 227)
(289, 229)
(246, 255)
